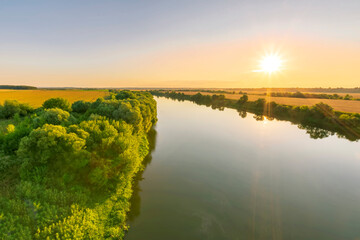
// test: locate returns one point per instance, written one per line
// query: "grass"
(36, 97)
(339, 105)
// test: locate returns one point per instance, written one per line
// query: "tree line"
(313, 95)
(17, 87)
(314, 119)
(67, 169)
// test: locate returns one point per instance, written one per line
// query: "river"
(216, 175)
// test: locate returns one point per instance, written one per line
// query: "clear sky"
(188, 43)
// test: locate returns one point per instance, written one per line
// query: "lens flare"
(270, 63)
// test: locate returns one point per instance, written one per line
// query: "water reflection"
(313, 131)
(242, 114)
(316, 133)
(320, 116)
(259, 117)
(135, 198)
(215, 175)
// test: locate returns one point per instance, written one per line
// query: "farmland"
(338, 105)
(36, 97)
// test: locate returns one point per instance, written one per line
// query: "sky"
(187, 43)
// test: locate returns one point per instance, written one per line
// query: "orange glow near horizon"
(292, 62)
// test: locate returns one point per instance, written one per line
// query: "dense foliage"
(319, 120)
(68, 174)
(61, 103)
(11, 108)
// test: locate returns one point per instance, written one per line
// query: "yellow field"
(256, 91)
(36, 97)
(339, 105)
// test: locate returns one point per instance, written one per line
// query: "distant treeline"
(17, 87)
(312, 95)
(66, 170)
(205, 90)
(74, 89)
(325, 90)
(279, 92)
(319, 120)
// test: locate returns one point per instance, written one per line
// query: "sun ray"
(270, 63)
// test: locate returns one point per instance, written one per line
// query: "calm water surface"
(215, 175)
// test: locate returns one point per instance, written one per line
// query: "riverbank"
(351, 106)
(67, 171)
(216, 175)
(320, 115)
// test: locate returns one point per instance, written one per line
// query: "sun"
(270, 63)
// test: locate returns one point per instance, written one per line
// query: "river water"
(216, 175)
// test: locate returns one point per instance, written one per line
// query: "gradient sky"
(179, 43)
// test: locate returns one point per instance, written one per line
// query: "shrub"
(13, 107)
(50, 147)
(61, 103)
(80, 106)
(12, 140)
(55, 116)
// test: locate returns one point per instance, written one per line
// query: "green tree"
(13, 107)
(61, 103)
(50, 150)
(55, 116)
(243, 99)
(80, 106)
(12, 140)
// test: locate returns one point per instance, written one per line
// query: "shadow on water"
(314, 132)
(135, 198)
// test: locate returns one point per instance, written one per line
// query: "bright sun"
(270, 63)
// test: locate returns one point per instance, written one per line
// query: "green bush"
(61, 103)
(11, 141)
(80, 106)
(13, 107)
(55, 116)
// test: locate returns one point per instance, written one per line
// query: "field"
(354, 92)
(338, 105)
(36, 97)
